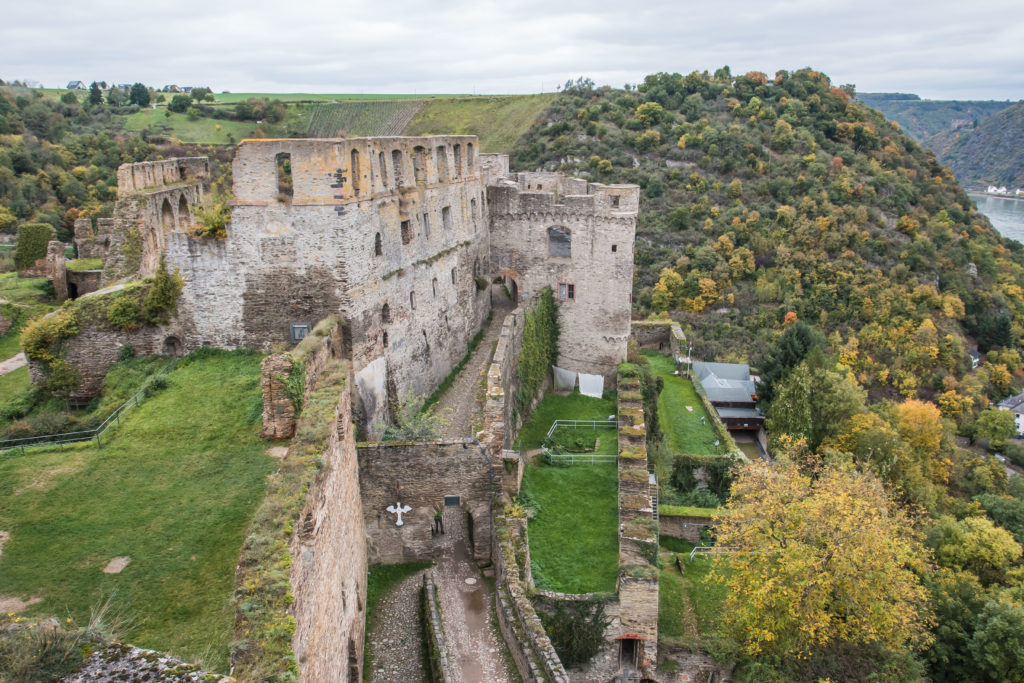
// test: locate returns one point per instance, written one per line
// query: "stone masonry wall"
(146, 174)
(328, 574)
(502, 381)
(421, 475)
(638, 530)
(387, 233)
(600, 221)
(661, 335)
(687, 528)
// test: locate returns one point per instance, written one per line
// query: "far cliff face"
(980, 140)
(990, 154)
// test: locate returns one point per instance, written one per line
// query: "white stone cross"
(399, 509)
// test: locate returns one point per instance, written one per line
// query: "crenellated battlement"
(524, 194)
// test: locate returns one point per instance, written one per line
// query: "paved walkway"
(461, 403)
(475, 646)
(395, 641)
(13, 363)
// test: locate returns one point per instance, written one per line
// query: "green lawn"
(574, 545)
(599, 440)
(174, 489)
(13, 383)
(689, 610)
(82, 264)
(553, 407)
(683, 429)
(23, 290)
(497, 120)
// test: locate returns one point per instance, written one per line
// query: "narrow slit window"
(446, 217)
(285, 189)
(426, 225)
(433, 286)
(377, 247)
(406, 232)
(384, 339)
(615, 248)
(453, 276)
(442, 163)
(354, 170)
(412, 300)
(383, 169)
(385, 314)
(469, 157)
(396, 166)
(457, 149)
(426, 342)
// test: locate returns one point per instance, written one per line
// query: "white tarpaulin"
(591, 385)
(565, 380)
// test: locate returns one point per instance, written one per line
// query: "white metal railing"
(551, 457)
(711, 550)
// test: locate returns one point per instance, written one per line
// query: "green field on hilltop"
(497, 120)
(232, 97)
(174, 489)
(201, 131)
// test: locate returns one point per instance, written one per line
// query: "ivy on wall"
(540, 349)
(149, 302)
(31, 244)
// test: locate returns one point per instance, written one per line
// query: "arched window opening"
(433, 286)
(184, 219)
(377, 247)
(167, 216)
(458, 160)
(285, 188)
(559, 243)
(385, 314)
(442, 163)
(396, 166)
(172, 346)
(412, 300)
(469, 157)
(382, 170)
(354, 170)
(419, 165)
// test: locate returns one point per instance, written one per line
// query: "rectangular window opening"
(566, 291)
(406, 232)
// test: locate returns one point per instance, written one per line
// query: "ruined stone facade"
(576, 237)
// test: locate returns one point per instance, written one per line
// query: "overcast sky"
(940, 50)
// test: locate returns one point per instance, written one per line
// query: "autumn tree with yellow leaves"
(818, 564)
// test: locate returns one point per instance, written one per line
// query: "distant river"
(1007, 215)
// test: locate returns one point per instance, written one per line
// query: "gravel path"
(395, 640)
(475, 646)
(461, 402)
(13, 363)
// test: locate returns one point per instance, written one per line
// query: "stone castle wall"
(328, 574)
(687, 528)
(600, 222)
(404, 227)
(148, 174)
(421, 475)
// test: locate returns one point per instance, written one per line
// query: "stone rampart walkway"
(13, 363)
(475, 646)
(395, 639)
(462, 402)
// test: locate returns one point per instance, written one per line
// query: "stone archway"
(167, 215)
(184, 215)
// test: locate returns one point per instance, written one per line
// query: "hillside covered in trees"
(787, 225)
(990, 153)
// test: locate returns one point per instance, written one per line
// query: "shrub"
(540, 348)
(31, 244)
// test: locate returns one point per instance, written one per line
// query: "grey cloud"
(941, 49)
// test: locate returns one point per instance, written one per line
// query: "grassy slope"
(554, 407)
(497, 121)
(174, 489)
(697, 623)
(200, 131)
(14, 383)
(683, 430)
(574, 545)
(232, 97)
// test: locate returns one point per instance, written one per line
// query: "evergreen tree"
(95, 94)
